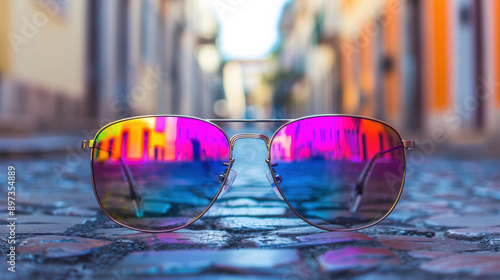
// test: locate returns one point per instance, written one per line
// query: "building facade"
(70, 65)
(420, 65)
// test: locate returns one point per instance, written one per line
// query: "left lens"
(158, 173)
(338, 172)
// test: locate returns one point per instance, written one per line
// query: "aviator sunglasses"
(162, 173)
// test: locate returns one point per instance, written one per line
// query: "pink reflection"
(162, 139)
(330, 138)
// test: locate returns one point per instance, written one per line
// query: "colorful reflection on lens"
(158, 173)
(339, 172)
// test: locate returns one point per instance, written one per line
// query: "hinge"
(87, 144)
(409, 144)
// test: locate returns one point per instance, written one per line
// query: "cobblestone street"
(253, 127)
(446, 226)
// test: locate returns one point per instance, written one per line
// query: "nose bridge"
(250, 136)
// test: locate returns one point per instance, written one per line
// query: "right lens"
(158, 173)
(338, 172)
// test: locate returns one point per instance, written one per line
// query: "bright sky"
(249, 29)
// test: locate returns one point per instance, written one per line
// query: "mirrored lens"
(158, 173)
(339, 172)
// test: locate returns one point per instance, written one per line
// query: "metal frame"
(88, 142)
(407, 144)
(340, 115)
(249, 136)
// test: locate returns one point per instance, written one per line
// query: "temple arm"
(132, 186)
(127, 175)
(359, 187)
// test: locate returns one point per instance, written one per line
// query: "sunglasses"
(163, 173)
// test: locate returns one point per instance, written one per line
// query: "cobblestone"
(74, 211)
(473, 234)
(357, 260)
(246, 211)
(257, 224)
(484, 264)
(445, 227)
(122, 233)
(428, 254)
(43, 224)
(491, 190)
(457, 221)
(50, 246)
(411, 243)
(212, 238)
(332, 237)
(195, 261)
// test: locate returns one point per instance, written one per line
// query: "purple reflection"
(162, 139)
(331, 138)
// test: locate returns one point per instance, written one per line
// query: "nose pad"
(271, 181)
(229, 181)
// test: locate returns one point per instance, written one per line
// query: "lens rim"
(269, 163)
(231, 160)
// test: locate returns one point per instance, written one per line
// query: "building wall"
(42, 89)
(61, 34)
(4, 41)
(86, 63)
(496, 28)
(392, 61)
(419, 65)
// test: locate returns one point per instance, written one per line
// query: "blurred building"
(151, 57)
(416, 64)
(308, 78)
(80, 64)
(42, 64)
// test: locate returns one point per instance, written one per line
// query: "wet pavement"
(446, 226)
